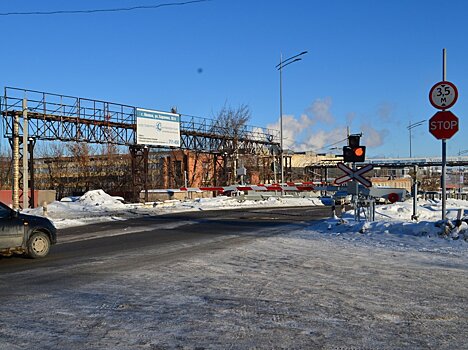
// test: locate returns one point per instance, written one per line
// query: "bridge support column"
(15, 146)
(139, 155)
(31, 144)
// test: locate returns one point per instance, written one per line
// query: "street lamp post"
(411, 127)
(415, 181)
(280, 67)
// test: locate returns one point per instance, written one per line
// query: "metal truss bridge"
(66, 118)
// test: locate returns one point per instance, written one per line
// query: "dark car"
(25, 234)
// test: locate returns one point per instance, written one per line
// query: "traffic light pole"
(353, 153)
(356, 196)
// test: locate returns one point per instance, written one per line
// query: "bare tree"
(81, 153)
(58, 169)
(5, 169)
(232, 122)
(111, 169)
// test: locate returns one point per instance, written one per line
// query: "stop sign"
(443, 125)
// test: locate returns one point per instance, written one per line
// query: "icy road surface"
(276, 289)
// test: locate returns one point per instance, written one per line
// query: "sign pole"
(444, 124)
(444, 147)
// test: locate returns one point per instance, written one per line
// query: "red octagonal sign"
(443, 125)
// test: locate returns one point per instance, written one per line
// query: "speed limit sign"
(443, 95)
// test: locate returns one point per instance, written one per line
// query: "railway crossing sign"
(443, 125)
(351, 174)
(443, 95)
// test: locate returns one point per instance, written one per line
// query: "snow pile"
(426, 236)
(393, 227)
(99, 198)
(426, 210)
(93, 206)
(396, 219)
(428, 229)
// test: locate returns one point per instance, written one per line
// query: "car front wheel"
(38, 245)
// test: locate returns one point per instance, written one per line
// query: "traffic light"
(354, 152)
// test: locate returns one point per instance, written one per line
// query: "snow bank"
(426, 210)
(94, 206)
(223, 202)
(394, 228)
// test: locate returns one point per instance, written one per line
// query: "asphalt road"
(77, 244)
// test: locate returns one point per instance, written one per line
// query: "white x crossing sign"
(354, 174)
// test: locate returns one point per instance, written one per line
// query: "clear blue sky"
(370, 63)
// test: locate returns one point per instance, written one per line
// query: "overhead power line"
(62, 12)
(330, 145)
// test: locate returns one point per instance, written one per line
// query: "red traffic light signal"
(354, 154)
